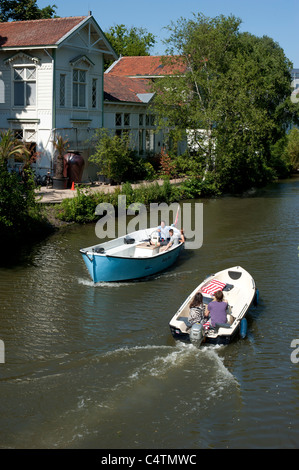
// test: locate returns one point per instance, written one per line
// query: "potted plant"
(61, 146)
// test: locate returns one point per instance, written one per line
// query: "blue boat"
(132, 256)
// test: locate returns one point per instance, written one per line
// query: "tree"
(233, 98)
(19, 211)
(112, 154)
(292, 149)
(22, 10)
(130, 42)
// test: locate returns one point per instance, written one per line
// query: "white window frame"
(94, 93)
(26, 79)
(62, 90)
(79, 84)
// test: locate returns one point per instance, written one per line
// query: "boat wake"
(183, 358)
(87, 282)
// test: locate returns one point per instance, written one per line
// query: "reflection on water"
(95, 365)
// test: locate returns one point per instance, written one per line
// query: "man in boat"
(164, 236)
(174, 238)
(164, 233)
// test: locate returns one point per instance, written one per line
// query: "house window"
(150, 140)
(118, 119)
(94, 88)
(141, 118)
(18, 134)
(62, 90)
(126, 119)
(150, 120)
(25, 86)
(79, 88)
(141, 141)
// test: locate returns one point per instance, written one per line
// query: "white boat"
(239, 290)
(132, 256)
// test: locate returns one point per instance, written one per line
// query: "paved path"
(52, 196)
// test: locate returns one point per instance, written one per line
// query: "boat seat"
(221, 325)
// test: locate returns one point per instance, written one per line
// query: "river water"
(95, 366)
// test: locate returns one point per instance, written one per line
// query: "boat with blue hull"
(129, 257)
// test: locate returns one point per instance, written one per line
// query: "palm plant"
(11, 147)
(61, 147)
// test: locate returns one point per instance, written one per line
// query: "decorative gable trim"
(22, 58)
(81, 59)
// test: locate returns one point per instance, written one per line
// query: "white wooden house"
(127, 109)
(51, 82)
(129, 99)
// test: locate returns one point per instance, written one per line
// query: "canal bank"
(56, 196)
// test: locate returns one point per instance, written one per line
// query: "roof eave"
(17, 48)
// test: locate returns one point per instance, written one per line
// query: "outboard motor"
(197, 334)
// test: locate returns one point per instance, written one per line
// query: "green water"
(95, 366)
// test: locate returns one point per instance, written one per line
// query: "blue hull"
(105, 268)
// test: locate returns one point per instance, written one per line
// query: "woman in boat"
(217, 309)
(197, 310)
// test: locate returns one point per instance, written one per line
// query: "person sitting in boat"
(217, 310)
(172, 240)
(164, 236)
(197, 310)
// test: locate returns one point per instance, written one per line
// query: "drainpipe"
(53, 59)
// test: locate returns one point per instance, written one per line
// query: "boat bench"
(143, 249)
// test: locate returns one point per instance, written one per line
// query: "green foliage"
(11, 147)
(149, 170)
(81, 209)
(20, 214)
(233, 98)
(130, 42)
(292, 148)
(112, 154)
(22, 10)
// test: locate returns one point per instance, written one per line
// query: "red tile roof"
(146, 66)
(125, 89)
(37, 32)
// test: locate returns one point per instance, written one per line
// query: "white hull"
(239, 292)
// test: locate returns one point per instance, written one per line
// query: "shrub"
(112, 155)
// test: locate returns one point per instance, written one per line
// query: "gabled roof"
(46, 32)
(147, 66)
(123, 89)
(54, 32)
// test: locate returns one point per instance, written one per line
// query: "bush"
(81, 209)
(20, 215)
(112, 155)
